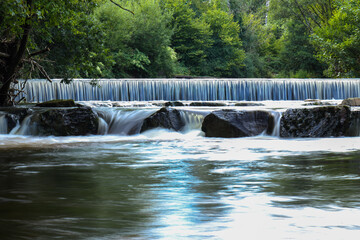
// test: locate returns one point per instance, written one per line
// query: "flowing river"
(163, 184)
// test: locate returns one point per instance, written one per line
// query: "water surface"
(167, 185)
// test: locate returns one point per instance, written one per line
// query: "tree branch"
(122, 7)
(39, 52)
(4, 55)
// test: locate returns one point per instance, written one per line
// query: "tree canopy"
(165, 38)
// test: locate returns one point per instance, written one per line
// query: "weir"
(203, 89)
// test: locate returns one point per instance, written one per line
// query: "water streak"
(3, 125)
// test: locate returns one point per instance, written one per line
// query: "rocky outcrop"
(164, 118)
(66, 122)
(331, 121)
(351, 102)
(232, 123)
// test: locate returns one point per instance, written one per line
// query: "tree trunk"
(12, 64)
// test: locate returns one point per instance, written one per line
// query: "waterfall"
(121, 122)
(3, 124)
(277, 118)
(192, 89)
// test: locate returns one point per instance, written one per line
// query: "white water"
(192, 89)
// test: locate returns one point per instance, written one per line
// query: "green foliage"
(222, 38)
(140, 43)
(191, 38)
(338, 43)
(297, 53)
(225, 58)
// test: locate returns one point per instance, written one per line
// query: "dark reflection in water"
(168, 189)
(317, 180)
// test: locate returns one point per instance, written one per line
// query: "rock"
(66, 122)
(248, 104)
(331, 121)
(232, 123)
(174, 104)
(317, 103)
(351, 102)
(207, 104)
(164, 118)
(58, 103)
(354, 128)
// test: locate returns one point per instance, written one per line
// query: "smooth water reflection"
(179, 186)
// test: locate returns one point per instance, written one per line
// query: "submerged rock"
(164, 118)
(207, 104)
(232, 123)
(331, 121)
(58, 103)
(174, 104)
(351, 102)
(248, 104)
(66, 122)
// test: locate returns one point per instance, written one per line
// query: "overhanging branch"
(122, 7)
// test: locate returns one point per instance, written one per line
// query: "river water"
(178, 185)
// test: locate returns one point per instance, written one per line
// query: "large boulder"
(232, 123)
(331, 121)
(351, 102)
(66, 122)
(164, 118)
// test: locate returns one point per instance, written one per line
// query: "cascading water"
(192, 89)
(3, 124)
(121, 122)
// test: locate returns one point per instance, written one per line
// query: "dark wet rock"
(66, 122)
(164, 118)
(351, 102)
(58, 103)
(174, 104)
(354, 129)
(232, 123)
(248, 104)
(207, 104)
(317, 103)
(14, 116)
(332, 121)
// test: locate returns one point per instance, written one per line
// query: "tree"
(191, 38)
(140, 43)
(297, 54)
(20, 22)
(338, 43)
(312, 13)
(226, 57)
